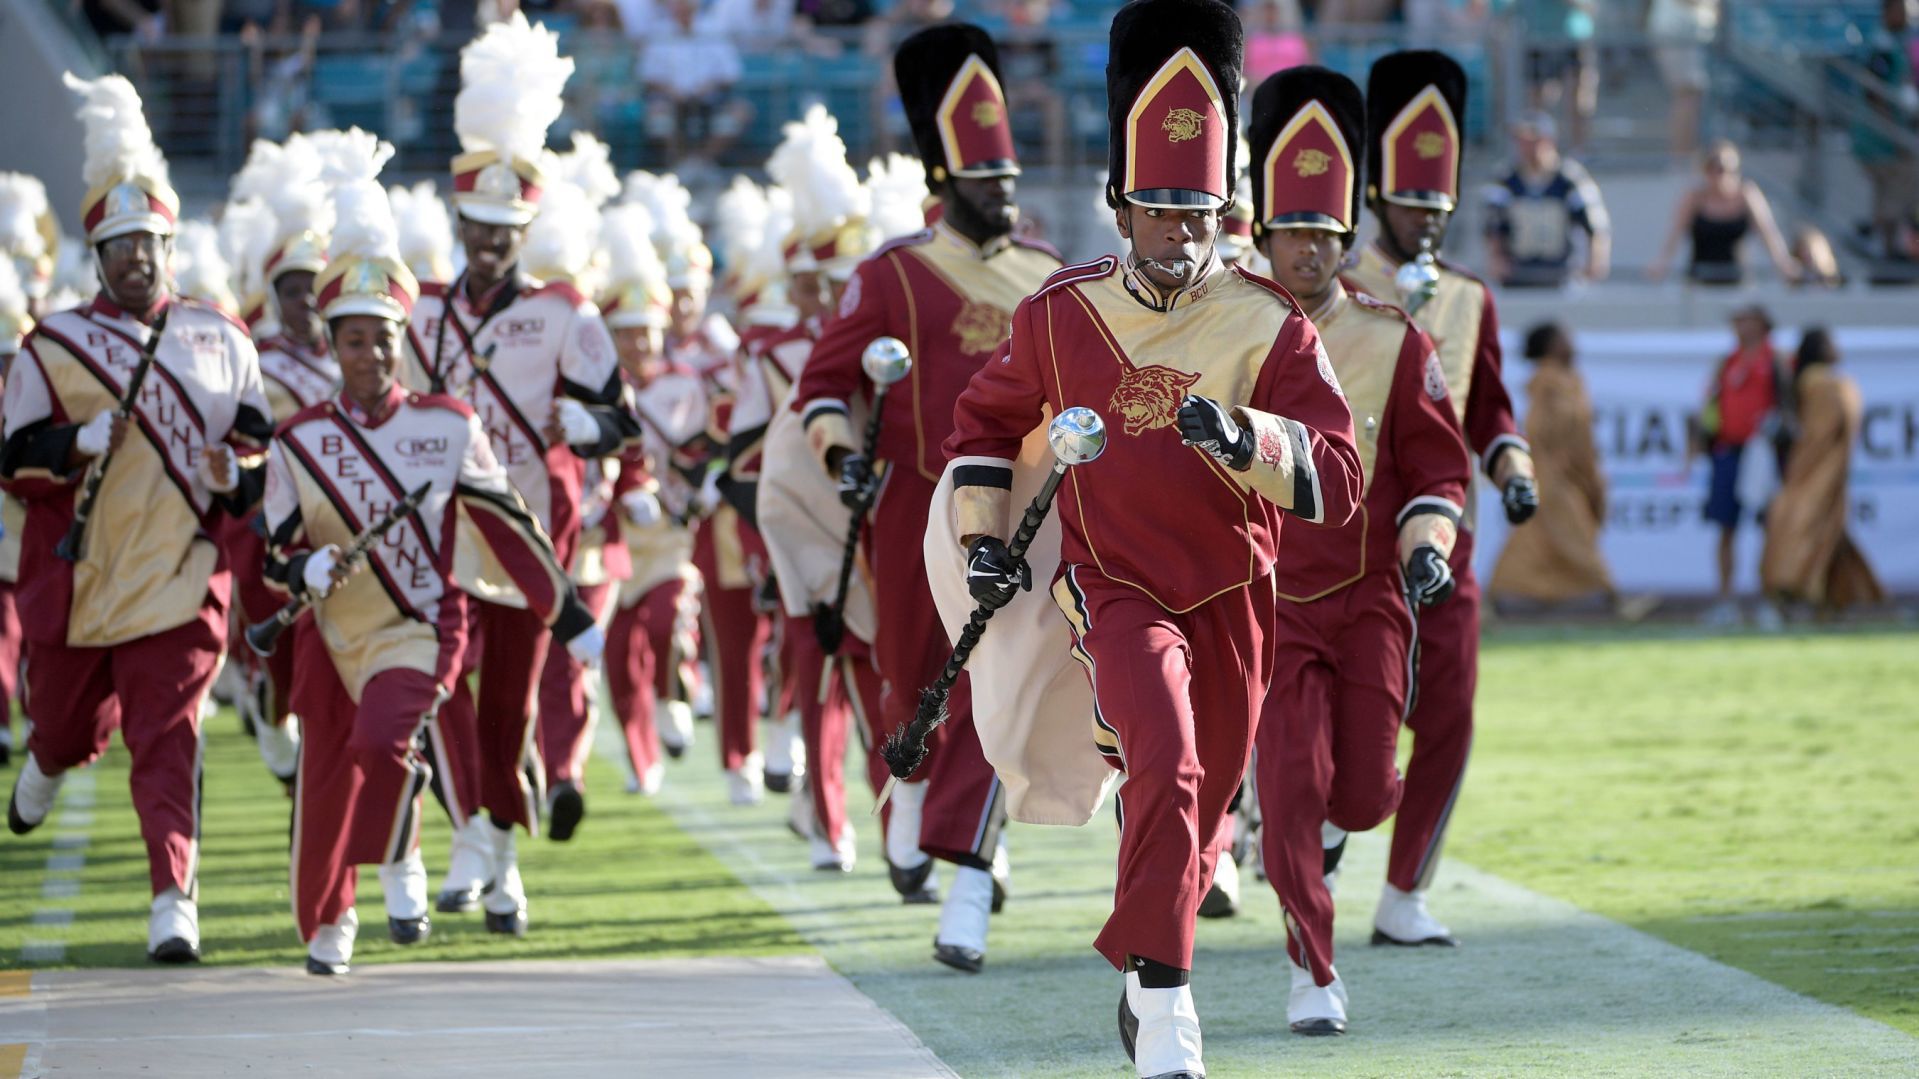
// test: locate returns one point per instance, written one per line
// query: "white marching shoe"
(1316, 1010)
(33, 794)
(835, 855)
(746, 785)
(173, 929)
(505, 905)
(1222, 899)
(676, 727)
(785, 755)
(404, 886)
(279, 746)
(1160, 1030)
(1403, 920)
(910, 868)
(647, 783)
(469, 867)
(961, 941)
(800, 819)
(332, 946)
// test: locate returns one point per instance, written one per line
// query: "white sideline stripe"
(849, 1030)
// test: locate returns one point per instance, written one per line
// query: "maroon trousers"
(961, 819)
(1442, 724)
(832, 698)
(640, 659)
(737, 632)
(151, 688)
(1326, 744)
(360, 778)
(1178, 695)
(12, 649)
(488, 738)
(565, 695)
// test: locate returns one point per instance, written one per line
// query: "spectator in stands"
(1740, 403)
(1275, 39)
(833, 15)
(1534, 209)
(1715, 218)
(1355, 12)
(1681, 30)
(766, 27)
(1561, 62)
(1555, 560)
(1889, 165)
(693, 112)
(883, 35)
(1809, 559)
(144, 19)
(281, 83)
(1029, 65)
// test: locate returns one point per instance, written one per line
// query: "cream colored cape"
(804, 526)
(1032, 705)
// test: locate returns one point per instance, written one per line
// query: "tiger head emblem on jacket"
(981, 327)
(1149, 397)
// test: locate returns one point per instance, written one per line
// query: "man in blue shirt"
(1533, 210)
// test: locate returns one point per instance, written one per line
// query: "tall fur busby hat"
(1308, 138)
(1415, 109)
(1172, 103)
(949, 81)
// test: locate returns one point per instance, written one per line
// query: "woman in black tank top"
(1715, 218)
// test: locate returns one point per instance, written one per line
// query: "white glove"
(710, 491)
(579, 425)
(220, 480)
(318, 572)
(642, 508)
(94, 435)
(587, 647)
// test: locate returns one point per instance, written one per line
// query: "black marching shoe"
(175, 950)
(512, 924)
(406, 931)
(568, 810)
(325, 969)
(1319, 1028)
(779, 782)
(453, 901)
(912, 884)
(16, 823)
(1128, 1024)
(963, 959)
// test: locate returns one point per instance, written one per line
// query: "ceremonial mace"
(1077, 436)
(1418, 281)
(70, 544)
(262, 637)
(885, 361)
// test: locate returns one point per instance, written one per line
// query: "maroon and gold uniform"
(1414, 101)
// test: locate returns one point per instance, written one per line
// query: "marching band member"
(1224, 419)
(946, 292)
(1345, 623)
(658, 602)
(28, 239)
(133, 628)
(533, 360)
(387, 644)
(1415, 103)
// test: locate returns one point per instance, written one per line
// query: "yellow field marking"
(15, 983)
(13, 1058)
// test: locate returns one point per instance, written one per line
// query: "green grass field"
(1747, 798)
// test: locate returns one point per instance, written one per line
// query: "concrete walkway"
(787, 1016)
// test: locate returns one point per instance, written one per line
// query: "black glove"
(828, 628)
(856, 481)
(1521, 496)
(992, 573)
(1428, 578)
(1206, 423)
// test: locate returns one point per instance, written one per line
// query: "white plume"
(73, 272)
(559, 242)
(769, 255)
(511, 77)
(199, 271)
(896, 186)
(626, 235)
(587, 166)
(346, 156)
(670, 206)
(256, 178)
(426, 229)
(739, 220)
(118, 142)
(248, 231)
(23, 200)
(363, 224)
(810, 163)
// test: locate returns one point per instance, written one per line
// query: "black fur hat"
(1174, 133)
(948, 78)
(1313, 178)
(1412, 135)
